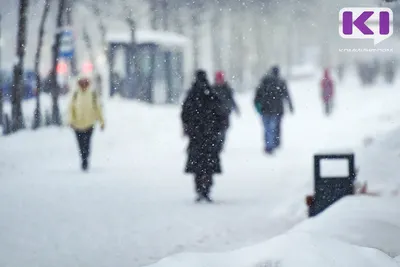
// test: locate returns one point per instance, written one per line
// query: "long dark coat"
(202, 117)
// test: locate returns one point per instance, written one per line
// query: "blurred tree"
(17, 87)
(37, 119)
(55, 87)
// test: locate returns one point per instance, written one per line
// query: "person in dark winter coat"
(225, 94)
(327, 87)
(203, 117)
(269, 102)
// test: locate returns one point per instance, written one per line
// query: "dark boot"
(207, 184)
(85, 164)
(85, 148)
(198, 187)
(208, 199)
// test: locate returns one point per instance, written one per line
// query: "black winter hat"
(275, 71)
(201, 75)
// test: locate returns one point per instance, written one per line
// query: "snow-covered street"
(136, 206)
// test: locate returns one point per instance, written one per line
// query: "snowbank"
(357, 231)
(363, 221)
(383, 175)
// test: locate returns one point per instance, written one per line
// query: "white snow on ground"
(355, 232)
(136, 207)
(384, 153)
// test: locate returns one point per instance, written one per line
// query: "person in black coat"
(269, 102)
(225, 94)
(203, 117)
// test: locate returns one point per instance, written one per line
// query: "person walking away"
(327, 87)
(389, 71)
(202, 118)
(84, 112)
(269, 101)
(225, 94)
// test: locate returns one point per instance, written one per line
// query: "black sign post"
(330, 189)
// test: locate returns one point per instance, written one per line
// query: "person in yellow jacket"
(84, 111)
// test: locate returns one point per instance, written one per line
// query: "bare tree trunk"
(38, 116)
(17, 116)
(55, 93)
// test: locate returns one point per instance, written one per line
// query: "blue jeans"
(271, 124)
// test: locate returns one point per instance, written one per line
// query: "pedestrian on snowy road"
(203, 117)
(327, 87)
(269, 103)
(225, 94)
(84, 111)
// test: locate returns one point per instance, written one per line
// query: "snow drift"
(357, 231)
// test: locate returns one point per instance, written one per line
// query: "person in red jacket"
(327, 87)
